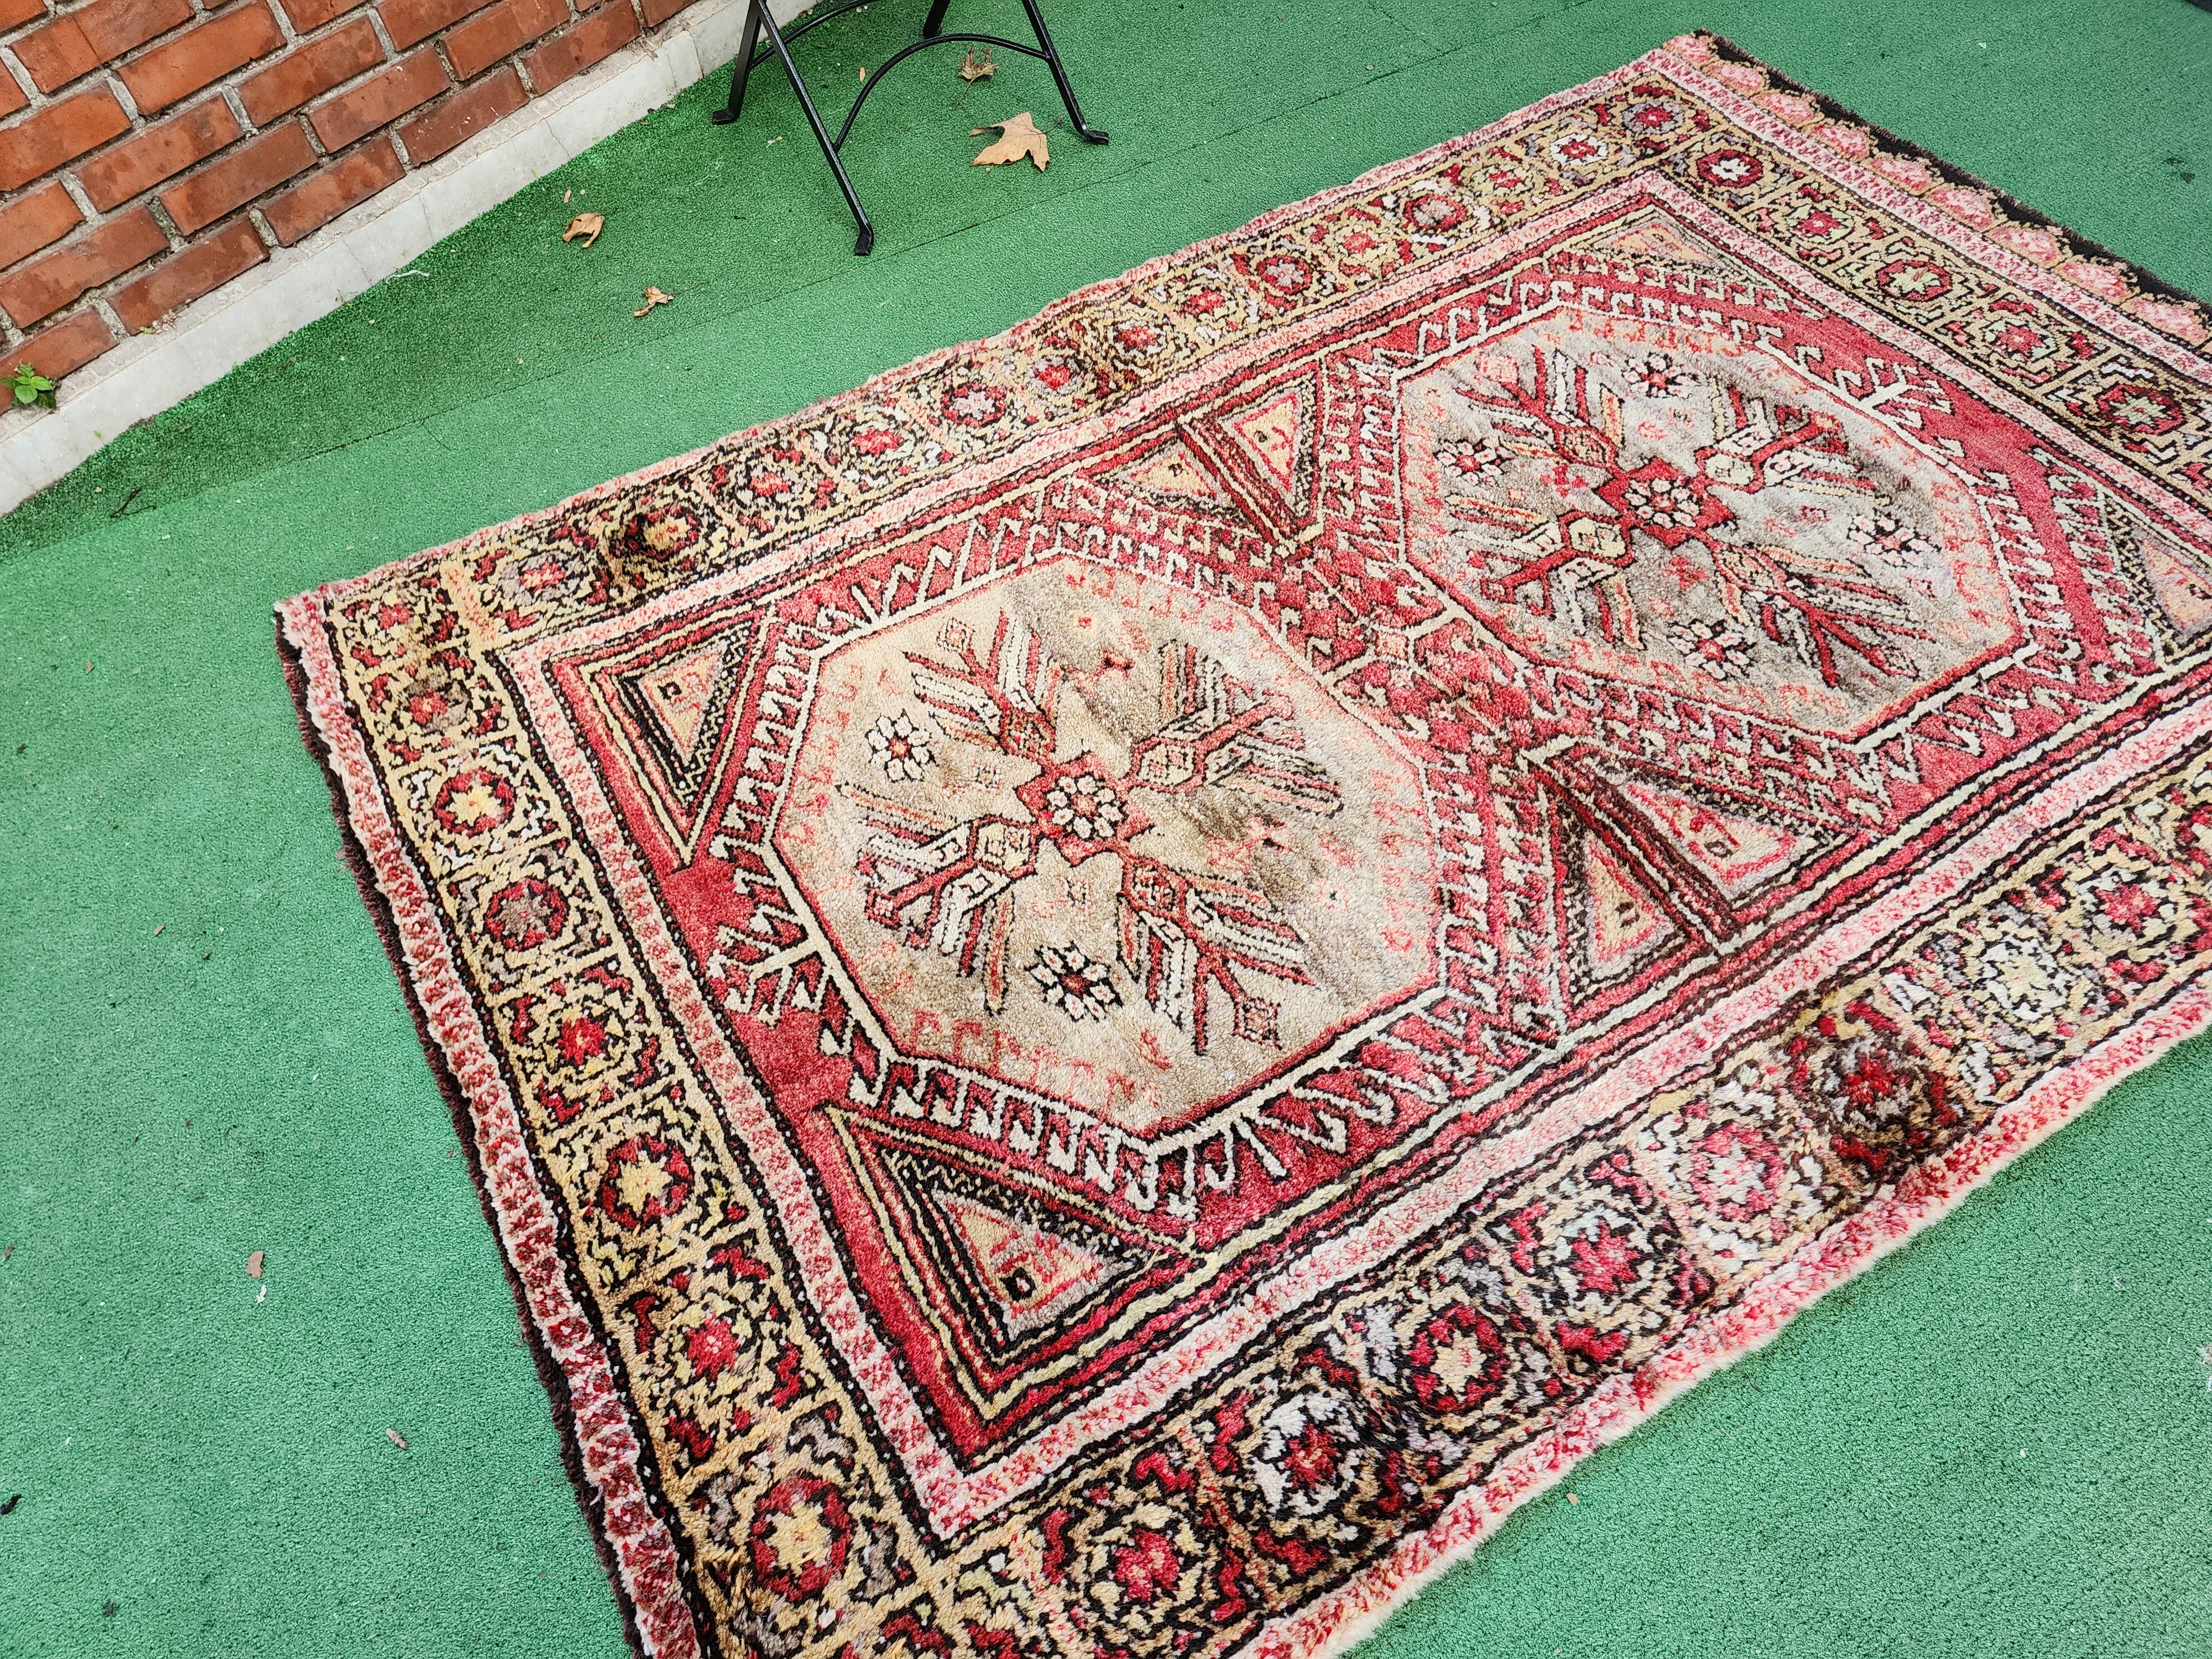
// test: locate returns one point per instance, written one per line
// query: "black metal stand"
(758, 19)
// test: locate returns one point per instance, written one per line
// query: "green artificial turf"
(1992, 1445)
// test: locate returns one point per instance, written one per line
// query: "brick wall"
(151, 150)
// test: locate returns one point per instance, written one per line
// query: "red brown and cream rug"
(1114, 990)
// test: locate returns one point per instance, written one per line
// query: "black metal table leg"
(933, 25)
(1091, 135)
(741, 67)
(867, 243)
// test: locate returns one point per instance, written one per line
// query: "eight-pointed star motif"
(949, 883)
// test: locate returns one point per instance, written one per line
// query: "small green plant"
(31, 387)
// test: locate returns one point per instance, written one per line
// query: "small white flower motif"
(974, 404)
(1311, 1452)
(1720, 652)
(1470, 460)
(1728, 168)
(1579, 149)
(900, 747)
(1655, 375)
(1073, 982)
(1085, 806)
(1652, 118)
(1661, 500)
(2026, 979)
(1893, 539)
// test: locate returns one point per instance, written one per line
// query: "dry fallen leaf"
(253, 1264)
(653, 297)
(396, 1438)
(585, 225)
(973, 68)
(1019, 138)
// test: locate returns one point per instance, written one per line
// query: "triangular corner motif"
(1017, 1267)
(1273, 436)
(1173, 475)
(1029, 1273)
(1658, 238)
(676, 703)
(1739, 854)
(2180, 585)
(2174, 577)
(1622, 925)
(676, 697)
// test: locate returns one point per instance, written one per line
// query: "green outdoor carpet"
(1994, 1444)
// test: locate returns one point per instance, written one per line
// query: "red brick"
(12, 97)
(59, 132)
(313, 13)
(409, 20)
(198, 55)
(95, 34)
(31, 222)
(16, 13)
(478, 43)
(200, 268)
(605, 30)
(658, 12)
(463, 116)
(287, 84)
(370, 105)
(251, 170)
(44, 286)
(66, 347)
(58, 53)
(120, 174)
(331, 191)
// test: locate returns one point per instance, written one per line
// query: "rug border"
(353, 854)
(1348, 1614)
(1952, 173)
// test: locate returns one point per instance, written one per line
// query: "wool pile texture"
(1111, 992)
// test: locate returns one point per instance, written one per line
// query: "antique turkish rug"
(1111, 992)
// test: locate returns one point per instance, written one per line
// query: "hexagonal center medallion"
(1673, 507)
(1101, 837)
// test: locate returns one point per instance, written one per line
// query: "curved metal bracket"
(758, 21)
(906, 51)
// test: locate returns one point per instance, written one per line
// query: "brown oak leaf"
(585, 225)
(973, 68)
(1017, 137)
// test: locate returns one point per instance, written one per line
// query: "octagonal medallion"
(1115, 825)
(1675, 508)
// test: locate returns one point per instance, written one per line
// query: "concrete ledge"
(150, 372)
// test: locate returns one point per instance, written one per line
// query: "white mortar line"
(149, 373)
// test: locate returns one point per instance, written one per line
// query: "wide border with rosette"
(1110, 992)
